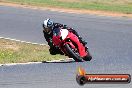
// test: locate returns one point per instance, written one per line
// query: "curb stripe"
(22, 41)
(67, 60)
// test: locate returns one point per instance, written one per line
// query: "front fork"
(69, 43)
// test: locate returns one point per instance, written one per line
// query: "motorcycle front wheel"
(72, 53)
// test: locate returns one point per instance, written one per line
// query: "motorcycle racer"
(48, 27)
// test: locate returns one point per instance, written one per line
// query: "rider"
(49, 26)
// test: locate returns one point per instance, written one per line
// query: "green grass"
(122, 6)
(17, 52)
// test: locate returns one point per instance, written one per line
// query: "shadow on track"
(58, 61)
(61, 61)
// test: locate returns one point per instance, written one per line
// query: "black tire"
(88, 57)
(72, 54)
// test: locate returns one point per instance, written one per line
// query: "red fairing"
(56, 40)
(80, 46)
(69, 44)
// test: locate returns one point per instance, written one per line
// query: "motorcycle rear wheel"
(88, 57)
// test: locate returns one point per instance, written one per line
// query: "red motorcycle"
(70, 45)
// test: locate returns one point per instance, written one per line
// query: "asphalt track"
(109, 40)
